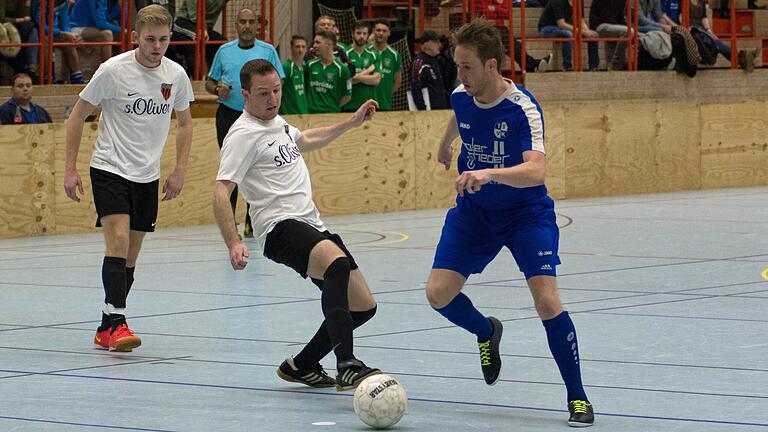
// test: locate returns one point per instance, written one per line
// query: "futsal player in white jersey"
(137, 90)
(502, 202)
(262, 156)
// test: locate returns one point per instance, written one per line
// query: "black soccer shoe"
(352, 373)
(315, 377)
(490, 359)
(581, 413)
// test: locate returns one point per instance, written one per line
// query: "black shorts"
(291, 241)
(113, 194)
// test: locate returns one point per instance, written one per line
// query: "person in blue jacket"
(19, 109)
(97, 21)
(62, 32)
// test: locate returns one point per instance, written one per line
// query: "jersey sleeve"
(101, 86)
(185, 95)
(216, 69)
(275, 60)
(531, 126)
(295, 133)
(238, 153)
(398, 66)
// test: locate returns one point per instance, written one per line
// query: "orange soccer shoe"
(123, 339)
(101, 340)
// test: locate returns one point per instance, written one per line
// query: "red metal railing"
(470, 8)
(47, 44)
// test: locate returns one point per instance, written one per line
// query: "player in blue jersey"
(501, 202)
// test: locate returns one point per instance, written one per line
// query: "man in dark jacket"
(426, 73)
(19, 109)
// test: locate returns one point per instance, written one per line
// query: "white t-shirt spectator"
(262, 158)
(136, 103)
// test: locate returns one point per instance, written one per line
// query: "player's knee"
(338, 317)
(437, 297)
(360, 318)
(339, 267)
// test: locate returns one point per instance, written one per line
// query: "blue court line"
(125, 363)
(168, 314)
(83, 424)
(349, 395)
(188, 359)
(162, 291)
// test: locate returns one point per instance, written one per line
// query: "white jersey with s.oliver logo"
(263, 159)
(136, 104)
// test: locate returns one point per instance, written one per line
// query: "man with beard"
(367, 65)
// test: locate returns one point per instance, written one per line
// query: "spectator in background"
(169, 5)
(391, 65)
(366, 63)
(427, 73)
(62, 32)
(97, 21)
(19, 109)
(652, 18)
(18, 12)
(328, 81)
(294, 100)
(224, 80)
(326, 23)
(697, 17)
(556, 21)
(608, 19)
(185, 30)
(344, 47)
(448, 66)
(671, 8)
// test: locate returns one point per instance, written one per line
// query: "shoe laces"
(122, 330)
(485, 353)
(579, 406)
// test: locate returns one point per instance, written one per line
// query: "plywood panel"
(73, 217)
(678, 153)
(391, 165)
(26, 192)
(734, 145)
(434, 185)
(555, 140)
(585, 146)
(339, 171)
(193, 206)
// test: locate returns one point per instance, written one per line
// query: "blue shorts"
(472, 237)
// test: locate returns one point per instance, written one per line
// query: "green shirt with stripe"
(390, 63)
(326, 85)
(362, 92)
(294, 91)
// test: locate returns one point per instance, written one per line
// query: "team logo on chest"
(500, 129)
(165, 89)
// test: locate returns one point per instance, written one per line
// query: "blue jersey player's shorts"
(472, 237)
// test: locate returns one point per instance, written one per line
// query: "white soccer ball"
(380, 401)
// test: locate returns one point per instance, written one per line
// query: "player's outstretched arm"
(174, 183)
(72, 182)
(445, 151)
(222, 210)
(314, 139)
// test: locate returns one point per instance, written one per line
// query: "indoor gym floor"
(665, 290)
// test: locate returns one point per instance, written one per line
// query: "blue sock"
(462, 312)
(561, 335)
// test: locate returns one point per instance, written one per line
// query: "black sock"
(320, 344)
(113, 277)
(335, 306)
(116, 321)
(128, 279)
(106, 322)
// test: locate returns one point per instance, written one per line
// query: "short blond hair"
(154, 15)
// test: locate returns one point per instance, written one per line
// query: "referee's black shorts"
(113, 194)
(291, 241)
